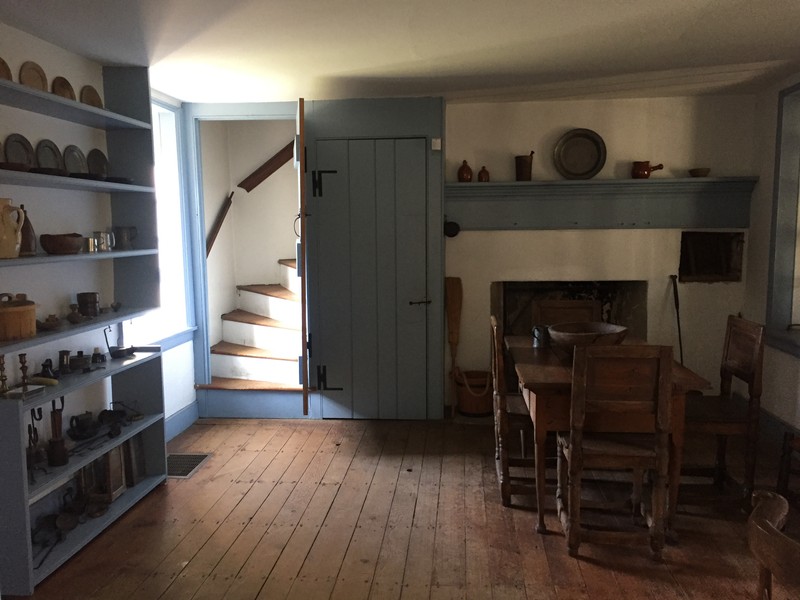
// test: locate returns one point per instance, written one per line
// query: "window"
(173, 316)
(783, 299)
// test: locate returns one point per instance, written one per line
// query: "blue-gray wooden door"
(369, 321)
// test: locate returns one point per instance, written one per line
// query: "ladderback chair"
(510, 414)
(550, 312)
(777, 554)
(730, 414)
(619, 419)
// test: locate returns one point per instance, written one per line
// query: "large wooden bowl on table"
(592, 333)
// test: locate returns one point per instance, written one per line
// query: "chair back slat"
(776, 553)
(498, 364)
(743, 354)
(615, 383)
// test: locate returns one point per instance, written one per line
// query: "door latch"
(413, 302)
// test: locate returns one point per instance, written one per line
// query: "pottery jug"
(124, 237)
(464, 172)
(642, 169)
(483, 175)
(11, 220)
(28, 241)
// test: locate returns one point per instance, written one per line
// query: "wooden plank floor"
(368, 509)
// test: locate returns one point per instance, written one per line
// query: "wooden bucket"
(474, 393)
(17, 318)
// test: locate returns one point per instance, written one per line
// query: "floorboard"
(390, 510)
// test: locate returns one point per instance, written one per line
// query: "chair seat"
(627, 445)
(714, 409)
(515, 405)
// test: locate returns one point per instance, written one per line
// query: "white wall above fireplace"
(479, 258)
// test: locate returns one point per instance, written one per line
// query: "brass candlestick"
(23, 367)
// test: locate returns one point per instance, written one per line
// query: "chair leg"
(502, 453)
(636, 492)
(721, 469)
(574, 503)
(751, 450)
(659, 501)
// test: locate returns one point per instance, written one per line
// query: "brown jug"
(464, 172)
(28, 236)
(642, 169)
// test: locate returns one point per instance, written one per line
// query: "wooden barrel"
(17, 318)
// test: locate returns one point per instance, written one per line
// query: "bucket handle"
(459, 376)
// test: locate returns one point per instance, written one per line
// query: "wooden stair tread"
(243, 316)
(270, 289)
(229, 383)
(247, 351)
(289, 262)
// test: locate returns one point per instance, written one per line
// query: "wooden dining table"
(545, 379)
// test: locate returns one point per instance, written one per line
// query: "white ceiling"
(265, 50)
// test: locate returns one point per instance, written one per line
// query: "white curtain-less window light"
(172, 316)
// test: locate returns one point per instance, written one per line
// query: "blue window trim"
(784, 232)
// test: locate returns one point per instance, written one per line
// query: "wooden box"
(109, 476)
(17, 318)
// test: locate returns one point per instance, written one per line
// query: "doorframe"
(397, 118)
(194, 114)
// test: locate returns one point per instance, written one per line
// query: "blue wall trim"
(252, 404)
(180, 421)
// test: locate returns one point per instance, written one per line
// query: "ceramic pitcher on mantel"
(11, 220)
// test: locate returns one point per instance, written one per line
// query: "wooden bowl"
(700, 172)
(586, 334)
(62, 243)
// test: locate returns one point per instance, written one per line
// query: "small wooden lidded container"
(17, 317)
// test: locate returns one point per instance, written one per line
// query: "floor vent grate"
(184, 465)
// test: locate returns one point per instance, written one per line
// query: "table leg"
(540, 439)
(675, 457)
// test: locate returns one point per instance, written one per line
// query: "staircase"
(261, 338)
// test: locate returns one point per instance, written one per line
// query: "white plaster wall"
(216, 187)
(263, 218)
(177, 365)
(716, 132)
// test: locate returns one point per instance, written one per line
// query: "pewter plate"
(579, 154)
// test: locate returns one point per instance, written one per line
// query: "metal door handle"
(412, 302)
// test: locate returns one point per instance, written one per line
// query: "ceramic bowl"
(62, 243)
(586, 334)
(699, 172)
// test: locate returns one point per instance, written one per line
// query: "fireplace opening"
(621, 302)
(710, 256)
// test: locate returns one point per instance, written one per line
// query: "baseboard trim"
(180, 421)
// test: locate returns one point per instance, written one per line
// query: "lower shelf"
(86, 532)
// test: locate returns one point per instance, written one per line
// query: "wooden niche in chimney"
(711, 256)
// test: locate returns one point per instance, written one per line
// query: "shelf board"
(69, 329)
(73, 382)
(710, 202)
(59, 476)
(39, 259)
(86, 532)
(24, 178)
(26, 98)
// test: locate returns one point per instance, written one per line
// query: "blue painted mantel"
(707, 203)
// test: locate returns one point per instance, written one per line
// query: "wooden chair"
(619, 419)
(730, 414)
(510, 413)
(777, 554)
(791, 446)
(549, 312)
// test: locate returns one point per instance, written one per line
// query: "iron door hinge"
(309, 346)
(316, 181)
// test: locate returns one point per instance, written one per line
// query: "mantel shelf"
(718, 202)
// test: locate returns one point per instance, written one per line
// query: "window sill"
(785, 340)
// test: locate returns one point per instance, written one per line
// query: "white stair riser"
(261, 369)
(289, 279)
(284, 342)
(269, 306)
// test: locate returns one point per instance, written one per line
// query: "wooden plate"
(62, 87)
(5, 72)
(74, 160)
(32, 75)
(90, 96)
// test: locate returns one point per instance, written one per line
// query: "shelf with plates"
(25, 178)
(707, 202)
(29, 99)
